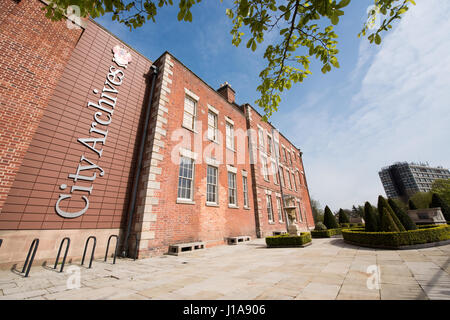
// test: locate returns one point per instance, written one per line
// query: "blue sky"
(385, 104)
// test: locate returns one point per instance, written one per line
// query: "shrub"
(436, 201)
(412, 205)
(329, 219)
(385, 221)
(397, 239)
(343, 217)
(320, 226)
(387, 224)
(402, 216)
(345, 225)
(370, 218)
(288, 240)
(325, 233)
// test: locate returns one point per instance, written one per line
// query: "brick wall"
(166, 221)
(264, 186)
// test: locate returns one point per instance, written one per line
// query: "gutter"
(132, 203)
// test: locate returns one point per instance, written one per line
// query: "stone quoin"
(74, 104)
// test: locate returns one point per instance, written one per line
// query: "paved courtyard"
(328, 269)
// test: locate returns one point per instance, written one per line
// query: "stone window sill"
(185, 201)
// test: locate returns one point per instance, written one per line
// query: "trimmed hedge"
(325, 233)
(397, 239)
(329, 220)
(288, 240)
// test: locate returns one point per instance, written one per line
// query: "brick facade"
(52, 81)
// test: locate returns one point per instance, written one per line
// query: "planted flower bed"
(397, 240)
(286, 240)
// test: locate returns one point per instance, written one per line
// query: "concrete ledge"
(411, 247)
(176, 249)
(237, 240)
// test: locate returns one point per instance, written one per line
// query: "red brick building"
(74, 105)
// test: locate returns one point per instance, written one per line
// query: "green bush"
(397, 239)
(325, 233)
(370, 218)
(436, 201)
(345, 225)
(385, 219)
(320, 226)
(288, 240)
(343, 217)
(329, 220)
(402, 216)
(412, 205)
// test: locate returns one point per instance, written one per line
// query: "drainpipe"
(131, 209)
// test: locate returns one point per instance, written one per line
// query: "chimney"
(227, 92)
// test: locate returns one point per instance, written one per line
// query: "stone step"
(236, 240)
(176, 249)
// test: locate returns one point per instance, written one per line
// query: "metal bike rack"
(65, 253)
(28, 262)
(115, 250)
(93, 249)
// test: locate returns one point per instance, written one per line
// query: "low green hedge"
(288, 240)
(325, 233)
(397, 239)
(351, 225)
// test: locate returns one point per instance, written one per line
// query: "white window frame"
(215, 184)
(275, 173)
(233, 190)
(188, 96)
(216, 125)
(229, 124)
(245, 190)
(261, 138)
(280, 210)
(191, 190)
(265, 168)
(269, 208)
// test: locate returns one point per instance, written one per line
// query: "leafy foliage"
(320, 226)
(370, 218)
(316, 211)
(411, 205)
(387, 224)
(305, 30)
(288, 240)
(437, 201)
(421, 200)
(402, 215)
(442, 188)
(325, 233)
(329, 220)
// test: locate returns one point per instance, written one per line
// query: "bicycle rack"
(93, 249)
(28, 262)
(115, 250)
(65, 253)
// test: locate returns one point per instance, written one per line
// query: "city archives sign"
(86, 170)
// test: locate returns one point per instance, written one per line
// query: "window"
(300, 212)
(290, 159)
(299, 178)
(274, 173)
(212, 126)
(189, 112)
(269, 144)
(261, 139)
(280, 210)
(269, 207)
(284, 154)
(185, 178)
(288, 179)
(230, 135)
(211, 184)
(282, 177)
(293, 180)
(245, 188)
(264, 167)
(232, 199)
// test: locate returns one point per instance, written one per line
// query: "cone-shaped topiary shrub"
(436, 201)
(329, 219)
(370, 218)
(402, 216)
(411, 205)
(343, 217)
(320, 226)
(382, 204)
(387, 223)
